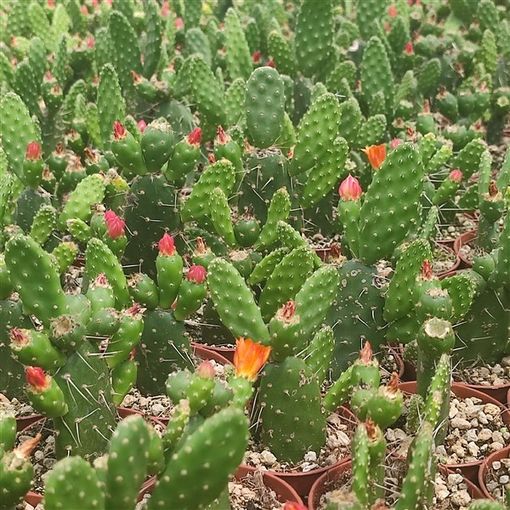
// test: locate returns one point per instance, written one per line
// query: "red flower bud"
(456, 175)
(271, 63)
(395, 143)
(141, 124)
(196, 274)
(34, 151)
(409, 48)
(166, 245)
(119, 131)
(165, 9)
(392, 11)
(101, 280)
(256, 56)
(114, 225)
(18, 336)
(206, 370)
(179, 23)
(195, 137)
(37, 378)
(366, 353)
(135, 309)
(221, 136)
(426, 270)
(350, 189)
(288, 310)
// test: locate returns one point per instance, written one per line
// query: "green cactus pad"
(285, 281)
(291, 420)
(127, 463)
(210, 454)
(62, 483)
(220, 174)
(265, 106)
(33, 274)
(395, 189)
(228, 292)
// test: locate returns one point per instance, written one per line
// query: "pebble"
(268, 458)
(498, 478)
(460, 423)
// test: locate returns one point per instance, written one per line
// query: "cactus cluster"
(277, 175)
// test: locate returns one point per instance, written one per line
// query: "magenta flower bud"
(350, 189)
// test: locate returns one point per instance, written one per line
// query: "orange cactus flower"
(376, 155)
(250, 357)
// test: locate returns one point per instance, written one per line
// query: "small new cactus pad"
(234, 302)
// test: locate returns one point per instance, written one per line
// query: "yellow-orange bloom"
(249, 358)
(376, 154)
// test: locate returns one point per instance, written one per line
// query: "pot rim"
(460, 241)
(320, 470)
(316, 489)
(487, 399)
(482, 472)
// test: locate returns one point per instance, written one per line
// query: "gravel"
(250, 493)
(160, 406)
(338, 446)
(443, 259)
(461, 225)
(497, 479)
(20, 409)
(486, 375)
(475, 430)
(450, 490)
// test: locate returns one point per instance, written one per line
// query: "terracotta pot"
(486, 466)
(198, 350)
(284, 492)
(323, 253)
(24, 422)
(499, 393)
(205, 353)
(469, 469)
(463, 239)
(322, 484)
(446, 242)
(302, 482)
(34, 498)
(225, 352)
